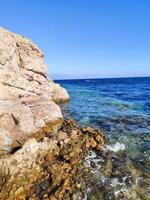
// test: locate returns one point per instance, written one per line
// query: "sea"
(120, 107)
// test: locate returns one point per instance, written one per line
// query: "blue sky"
(85, 38)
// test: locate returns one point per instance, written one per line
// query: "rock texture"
(51, 168)
(26, 95)
(41, 155)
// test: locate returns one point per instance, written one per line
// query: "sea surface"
(120, 107)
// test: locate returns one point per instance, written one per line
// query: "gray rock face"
(5, 141)
(26, 95)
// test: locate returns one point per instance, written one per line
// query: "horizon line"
(102, 78)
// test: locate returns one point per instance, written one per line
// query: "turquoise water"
(121, 108)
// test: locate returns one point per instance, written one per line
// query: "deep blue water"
(120, 107)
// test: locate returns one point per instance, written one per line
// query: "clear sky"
(85, 38)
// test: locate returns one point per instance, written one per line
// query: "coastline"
(45, 155)
(121, 109)
(40, 153)
(48, 168)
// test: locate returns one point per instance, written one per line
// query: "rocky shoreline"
(49, 168)
(41, 154)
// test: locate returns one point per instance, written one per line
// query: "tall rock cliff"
(27, 96)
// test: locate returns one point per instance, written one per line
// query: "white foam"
(116, 147)
(92, 156)
(115, 182)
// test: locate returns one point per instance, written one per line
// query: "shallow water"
(121, 108)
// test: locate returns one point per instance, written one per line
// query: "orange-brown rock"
(49, 168)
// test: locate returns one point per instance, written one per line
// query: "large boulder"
(27, 96)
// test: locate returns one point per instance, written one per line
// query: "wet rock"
(93, 164)
(108, 168)
(44, 169)
(91, 143)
